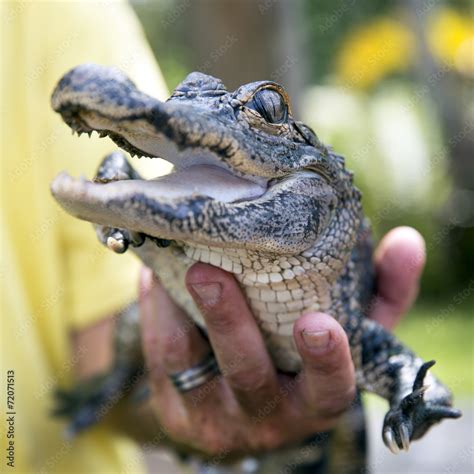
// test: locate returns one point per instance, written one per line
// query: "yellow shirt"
(55, 276)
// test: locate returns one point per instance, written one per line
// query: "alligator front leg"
(417, 399)
(115, 167)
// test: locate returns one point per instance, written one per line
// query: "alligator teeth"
(102, 134)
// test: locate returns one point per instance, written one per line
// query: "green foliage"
(164, 23)
(353, 130)
(444, 333)
(327, 23)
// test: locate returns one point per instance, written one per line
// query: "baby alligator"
(253, 191)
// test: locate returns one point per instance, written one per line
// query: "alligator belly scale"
(277, 299)
(254, 192)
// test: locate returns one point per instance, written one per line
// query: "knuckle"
(271, 438)
(150, 339)
(214, 437)
(248, 379)
(217, 448)
(218, 443)
(222, 323)
(176, 427)
(174, 343)
(394, 305)
(335, 404)
(172, 354)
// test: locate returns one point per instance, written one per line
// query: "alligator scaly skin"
(256, 193)
(278, 290)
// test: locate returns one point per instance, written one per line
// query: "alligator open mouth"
(198, 171)
(192, 182)
(231, 183)
(91, 98)
(197, 180)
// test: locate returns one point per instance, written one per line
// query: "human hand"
(224, 416)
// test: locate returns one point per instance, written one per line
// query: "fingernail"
(315, 339)
(209, 293)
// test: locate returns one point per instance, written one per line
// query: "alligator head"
(246, 173)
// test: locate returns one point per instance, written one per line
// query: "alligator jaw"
(197, 125)
(239, 182)
(172, 193)
(239, 217)
(93, 98)
(194, 181)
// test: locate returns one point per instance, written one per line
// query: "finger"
(399, 261)
(164, 396)
(149, 324)
(328, 380)
(171, 344)
(177, 342)
(234, 335)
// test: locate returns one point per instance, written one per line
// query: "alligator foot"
(412, 418)
(115, 167)
(118, 240)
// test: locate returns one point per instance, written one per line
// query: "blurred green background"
(389, 86)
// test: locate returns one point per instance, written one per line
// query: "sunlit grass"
(446, 335)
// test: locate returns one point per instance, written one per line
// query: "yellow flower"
(464, 60)
(373, 51)
(451, 39)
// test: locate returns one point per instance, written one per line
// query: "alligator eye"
(270, 105)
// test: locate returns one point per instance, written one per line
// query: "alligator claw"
(420, 376)
(118, 240)
(412, 418)
(119, 245)
(405, 437)
(439, 412)
(390, 442)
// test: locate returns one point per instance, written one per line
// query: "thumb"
(328, 381)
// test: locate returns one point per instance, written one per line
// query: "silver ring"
(197, 375)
